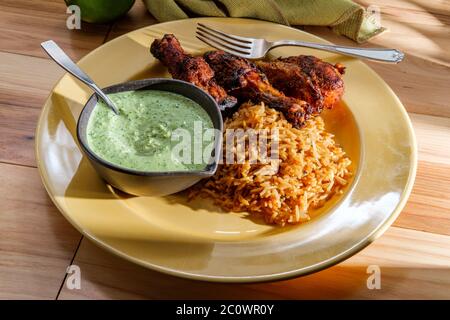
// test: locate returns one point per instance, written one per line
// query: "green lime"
(101, 11)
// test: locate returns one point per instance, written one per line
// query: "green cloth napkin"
(344, 16)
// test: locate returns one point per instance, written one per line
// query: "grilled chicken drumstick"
(185, 67)
(308, 78)
(244, 80)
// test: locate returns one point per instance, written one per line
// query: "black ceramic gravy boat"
(152, 183)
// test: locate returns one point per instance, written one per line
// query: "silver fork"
(254, 48)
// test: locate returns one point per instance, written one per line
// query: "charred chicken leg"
(185, 67)
(243, 79)
(308, 78)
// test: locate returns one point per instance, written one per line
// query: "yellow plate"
(196, 240)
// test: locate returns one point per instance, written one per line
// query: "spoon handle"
(61, 58)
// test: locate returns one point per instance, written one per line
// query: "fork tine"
(220, 46)
(229, 36)
(240, 44)
(225, 46)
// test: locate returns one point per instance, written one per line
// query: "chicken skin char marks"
(243, 79)
(185, 67)
(308, 78)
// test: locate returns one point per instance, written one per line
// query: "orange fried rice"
(310, 169)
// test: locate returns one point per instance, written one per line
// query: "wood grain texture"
(428, 207)
(26, 23)
(36, 242)
(413, 265)
(26, 81)
(17, 133)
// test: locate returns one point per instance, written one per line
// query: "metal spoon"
(61, 58)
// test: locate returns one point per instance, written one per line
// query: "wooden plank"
(26, 81)
(432, 134)
(36, 243)
(17, 130)
(413, 265)
(428, 208)
(26, 23)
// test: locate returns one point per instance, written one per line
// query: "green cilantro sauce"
(140, 137)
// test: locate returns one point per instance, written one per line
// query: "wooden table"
(37, 244)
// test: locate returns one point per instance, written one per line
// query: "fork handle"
(378, 54)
